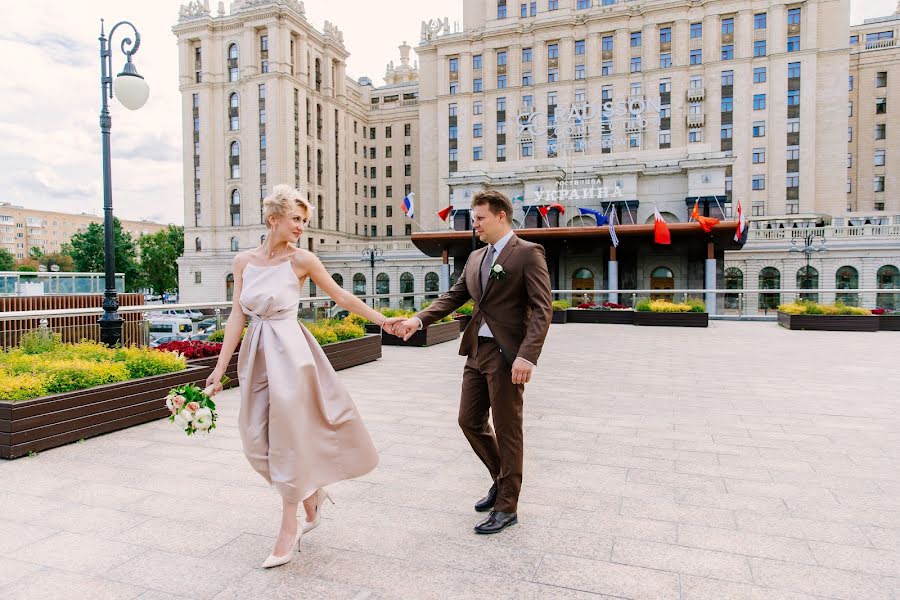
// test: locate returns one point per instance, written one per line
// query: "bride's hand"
(214, 383)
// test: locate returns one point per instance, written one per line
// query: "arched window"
(320, 214)
(769, 279)
(198, 245)
(662, 278)
(318, 75)
(234, 112)
(847, 278)
(407, 283)
(313, 291)
(734, 280)
(233, 74)
(383, 286)
(808, 279)
(338, 279)
(234, 244)
(359, 284)
(667, 217)
(664, 272)
(319, 121)
(229, 287)
(887, 278)
(234, 159)
(235, 208)
(581, 221)
(320, 168)
(432, 283)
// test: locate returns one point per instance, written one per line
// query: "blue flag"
(600, 217)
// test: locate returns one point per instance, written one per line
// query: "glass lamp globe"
(130, 88)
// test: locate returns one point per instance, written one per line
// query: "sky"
(49, 114)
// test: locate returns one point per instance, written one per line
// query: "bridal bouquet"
(192, 408)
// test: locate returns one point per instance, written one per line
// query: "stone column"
(612, 270)
(445, 271)
(710, 277)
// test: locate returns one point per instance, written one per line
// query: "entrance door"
(662, 278)
(583, 279)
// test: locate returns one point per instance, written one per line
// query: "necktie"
(486, 265)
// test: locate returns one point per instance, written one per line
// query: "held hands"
(400, 327)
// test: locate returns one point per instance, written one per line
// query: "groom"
(509, 281)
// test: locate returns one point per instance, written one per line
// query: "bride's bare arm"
(233, 327)
(311, 265)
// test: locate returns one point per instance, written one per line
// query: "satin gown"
(299, 427)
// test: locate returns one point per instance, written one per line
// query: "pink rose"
(193, 406)
(178, 401)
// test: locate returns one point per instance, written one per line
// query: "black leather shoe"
(487, 503)
(497, 522)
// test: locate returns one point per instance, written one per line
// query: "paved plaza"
(660, 463)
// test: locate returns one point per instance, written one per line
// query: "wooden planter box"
(559, 316)
(828, 322)
(608, 317)
(51, 421)
(463, 321)
(889, 322)
(431, 335)
(661, 319)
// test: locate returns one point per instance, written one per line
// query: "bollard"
(218, 318)
(145, 318)
(741, 304)
(633, 300)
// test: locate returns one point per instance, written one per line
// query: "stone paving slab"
(743, 461)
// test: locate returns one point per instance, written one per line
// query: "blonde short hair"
(282, 200)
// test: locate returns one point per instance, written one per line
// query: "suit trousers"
(487, 389)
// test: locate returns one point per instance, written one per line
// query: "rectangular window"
(407, 129)
(579, 47)
(606, 68)
(501, 152)
(759, 129)
(606, 44)
(454, 88)
(880, 79)
(878, 183)
(665, 35)
(727, 132)
(759, 75)
(880, 106)
(532, 8)
(695, 136)
(523, 11)
(728, 26)
(792, 153)
(454, 154)
(477, 130)
(553, 5)
(759, 21)
(476, 62)
(759, 48)
(477, 108)
(759, 182)
(454, 65)
(793, 98)
(552, 75)
(759, 156)
(501, 127)
(451, 109)
(526, 54)
(635, 39)
(728, 52)
(696, 31)
(501, 82)
(526, 78)
(635, 65)
(527, 100)
(501, 58)
(727, 105)
(793, 44)
(880, 131)
(696, 56)
(478, 153)
(665, 60)
(879, 158)
(477, 85)
(579, 71)
(527, 149)
(849, 161)
(501, 104)
(759, 102)
(583, 4)
(794, 70)
(407, 170)
(665, 139)
(552, 51)
(793, 16)
(792, 180)
(501, 9)
(389, 191)
(454, 132)
(727, 78)
(849, 134)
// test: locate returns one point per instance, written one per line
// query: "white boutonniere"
(498, 272)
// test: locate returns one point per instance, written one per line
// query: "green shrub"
(39, 341)
(466, 309)
(807, 307)
(643, 306)
(217, 336)
(323, 333)
(348, 331)
(561, 304)
(665, 306)
(696, 305)
(70, 375)
(144, 362)
(356, 319)
(21, 387)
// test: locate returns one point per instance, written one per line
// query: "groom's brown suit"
(517, 310)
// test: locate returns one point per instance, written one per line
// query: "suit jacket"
(517, 308)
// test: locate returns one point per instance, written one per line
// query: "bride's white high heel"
(321, 495)
(277, 561)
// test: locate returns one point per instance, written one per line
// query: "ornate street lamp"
(373, 255)
(132, 91)
(812, 243)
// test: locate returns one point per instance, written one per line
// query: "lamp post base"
(110, 322)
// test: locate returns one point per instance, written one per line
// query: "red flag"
(443, 214)
(706, 223)
(558, 207)
(661, 233)
(742, 224)
(544, 210)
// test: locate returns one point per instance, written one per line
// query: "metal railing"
(830, 232)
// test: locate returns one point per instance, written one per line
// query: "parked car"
(192, 314)
(180, 327)
(154, 342)
(200, 337)
(206, 325)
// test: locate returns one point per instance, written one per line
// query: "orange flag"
(706, 223)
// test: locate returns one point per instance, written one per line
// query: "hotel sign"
(589, 124)
(574, 190)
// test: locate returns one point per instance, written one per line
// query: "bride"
(299, 427)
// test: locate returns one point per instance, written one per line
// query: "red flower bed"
(613, 305)
(586, 305)
(878, 311)
(192, 349)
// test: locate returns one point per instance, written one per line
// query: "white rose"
(498, 268)
(169, 404)
(184, 418)
(203, 419)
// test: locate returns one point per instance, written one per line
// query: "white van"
(171, 326)
(193, 315)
